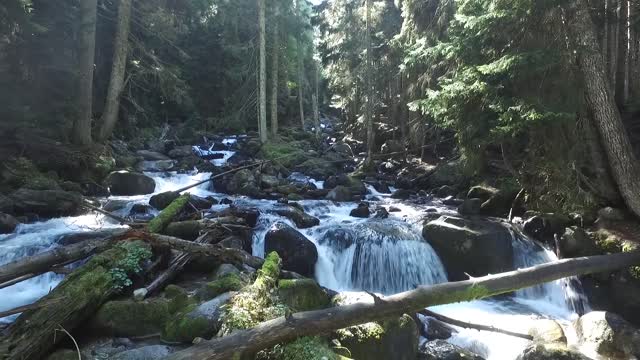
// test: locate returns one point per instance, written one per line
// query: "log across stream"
(383, 264)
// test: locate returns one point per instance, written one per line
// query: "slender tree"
(262, 93)
(369, 91)
(86, 51)
(315, 99)
(624, 165)
(116, 83)
(300, 55)
(275, 53)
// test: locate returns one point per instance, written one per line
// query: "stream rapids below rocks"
(383, 256)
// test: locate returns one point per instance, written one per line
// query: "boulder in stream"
(340, 194)
(46, 203)
(162, 200)
(123, 183)
(608, 334)
(196, 321)
(298, 253)
(298, 216)
(7, 223)
(470, 246)
(442, 350)
(550, 351)
(362, 211)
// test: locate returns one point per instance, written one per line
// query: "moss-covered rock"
(550, 351)
(187, 230)
(178, 298)
(130, 318)
(226, 283)
(195, 321)
(287, 153)
(308, 348)
(303, 294)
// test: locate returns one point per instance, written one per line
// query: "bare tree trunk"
(627, 54)
(87, 45)
(624, 165)
(308, 323)
(614, 39)
(605, 35)
(369, 91)
(116, 83)
(621, 68)
(263, 72)
(314, 100)
(274, 72)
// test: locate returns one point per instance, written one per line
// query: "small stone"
(140, 294)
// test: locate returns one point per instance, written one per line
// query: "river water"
(384, 256)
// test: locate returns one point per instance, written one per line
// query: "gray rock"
(152, 155)
(115, 205)
(362, 211)
(470, 207)
(475, 247)
(442, 350)
(608, 334)
(299, 217)
(46, 203)
(162, 200)
(7, 223)
(181, 152)
(152, 352)
(550, 351)
(576, 242)
(156, 165)
(445, 191)
(340, 194)
(298, 253)
(402, 194)
(225, 269)
(130, 183)
(269, 181)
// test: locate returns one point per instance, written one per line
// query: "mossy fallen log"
(72, 302)
(288, 328)
(167, 215)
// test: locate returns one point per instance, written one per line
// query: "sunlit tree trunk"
(274, 73)
(369, 91)
(87, 45)
(263, 73)
(116, 83)
(625, 168)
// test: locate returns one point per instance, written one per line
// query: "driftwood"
(26, 268)
(467, 325)
(308, 323)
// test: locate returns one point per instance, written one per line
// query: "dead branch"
(467, 325)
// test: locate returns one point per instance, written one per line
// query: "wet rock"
(542, 227)
(244, 182)
(470, 207)
(115, 205)
(298, 216)
(362, 211)
(394, 209)
(475, 247)
(608, 334)
(123, 183)
(151, 352)
(611, 214)
(187, 230)
(46, 203)
(151, 155)
(236, 242)
(452, 201)
(156, 166)
(64, 354)
(550, 351)
(437, 330)
(402, 194)
(381, 187)
(297, 252)
(340, 194)
(162, 200)
(445, 191)
(196, 321)
(547, 331)
(576, 242)
(442, 350)
(181, 152)
(381, 213)
(395, 338)
(303, 294)
(7, 223)
(6, 204)
(337, 180)
(131, 318)
(201, 203)
(226, 201)
(269, 182)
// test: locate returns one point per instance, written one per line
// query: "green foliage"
(134, 255)
(287, 153)
(305, 348)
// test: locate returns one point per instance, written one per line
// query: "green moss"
(307, 348)
(21, 172)
(229, 282)
(163, 219)
(184, 328)
(303, 294)
(178, 298)
(361, 333)
(287, 153)
(270, 271)
(132, 318)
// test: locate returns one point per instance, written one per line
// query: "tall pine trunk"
(621, 68)
(369, 91)
(262, 93)
(81, 134)
(274, 73)
(116, 83)
(601, 103)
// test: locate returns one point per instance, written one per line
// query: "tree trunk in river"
(116, 83)
(600, 100)
(81, 134)
(262, 92)
(274, 73)
(309, 323)
(69, 305)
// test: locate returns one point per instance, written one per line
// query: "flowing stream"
(384, 256)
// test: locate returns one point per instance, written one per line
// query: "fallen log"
(466, 325)
(168, 214)
(284, 329)
(35, 265)
(70, 304)
(120, 219)
(24, 308)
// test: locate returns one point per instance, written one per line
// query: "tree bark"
(623, 41)
(263, 72)
(116, 83)
(69, 305)
(41, 263)
(369, 85)
(308, 323)
(600, 101)
(81, 134)
(274, 73)
(300, 59)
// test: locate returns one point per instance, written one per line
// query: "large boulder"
(303, 294)
(608, 334)
(495, 202)
(244, 182)
(130, 183)
(297, 252)
(362, 211)
(162, 200)
(125, 318)
(299, 217)
(394, 338)
(7, 223)
(550, 351)
(195, 321)
(470, 246)
(47, 203)
(442, 350)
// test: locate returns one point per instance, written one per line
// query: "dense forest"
(320, 179)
